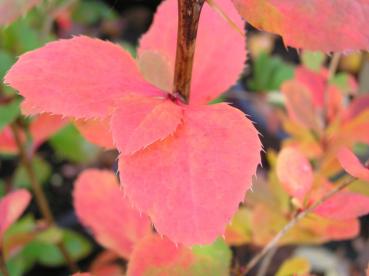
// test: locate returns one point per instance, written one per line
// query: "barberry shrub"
(185, 164)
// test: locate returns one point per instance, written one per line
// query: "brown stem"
(274, 242)
(40, 197)
(333, 65)
(332, 69)
(36, 187)
(188, 20)
(3, 268)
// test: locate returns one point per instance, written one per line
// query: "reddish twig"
(39, 193)
(188, 20)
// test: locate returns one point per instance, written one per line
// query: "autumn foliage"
(181, 197)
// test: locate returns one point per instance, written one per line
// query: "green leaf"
(41, 169)
(313, 60)
(25, 224)
(52, 235)
(214, 259)
(8, 113)
(268, 73)
(6, 61)
(19, 264)
(2, 188)
(294, 266)
(91, 12)
(69, 144)
(342, 81)
(20, 37)
(49, 254)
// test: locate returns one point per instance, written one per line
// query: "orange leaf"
(299, 104)
(344, 205)
(96, 131)
(311, 24)
(352, 164)
(295, 172)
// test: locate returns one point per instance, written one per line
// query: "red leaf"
(101, 206)
(299, 104)
(352, 164)
(141, 121)
(80, 77)
(44, 126)
(210, 76)
(312, 24)
(11, 208)
(315, 81)
(344, 205)
(155, 252)
(159, 256)
(10, 10)
(106, 264)
(41, 128)
(358, 105)
(192, 182)
(7, 142)
(295, 172)
(96, 131)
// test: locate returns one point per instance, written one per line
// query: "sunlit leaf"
(314, 24)
(180, 176)
(159, 256)
(294, 266)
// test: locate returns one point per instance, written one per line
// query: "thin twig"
(39, 193)
(266, 261)
(333, 65)
(332, 69)
(274, 242)
(188, 20)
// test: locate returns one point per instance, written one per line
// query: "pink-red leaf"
(96, 131)
(81, 77)
(327, 25)
(10, 10)
(11, 208)
(217, 41)
(159, 256)
(101, 206)
(154, 253)
(7, 141)
(295, 172)
(344, 205)
(315, 81)
(299, 104)
(44, 126)
(41, 128)
(141, 121)
(352, 164)
(191, 183)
